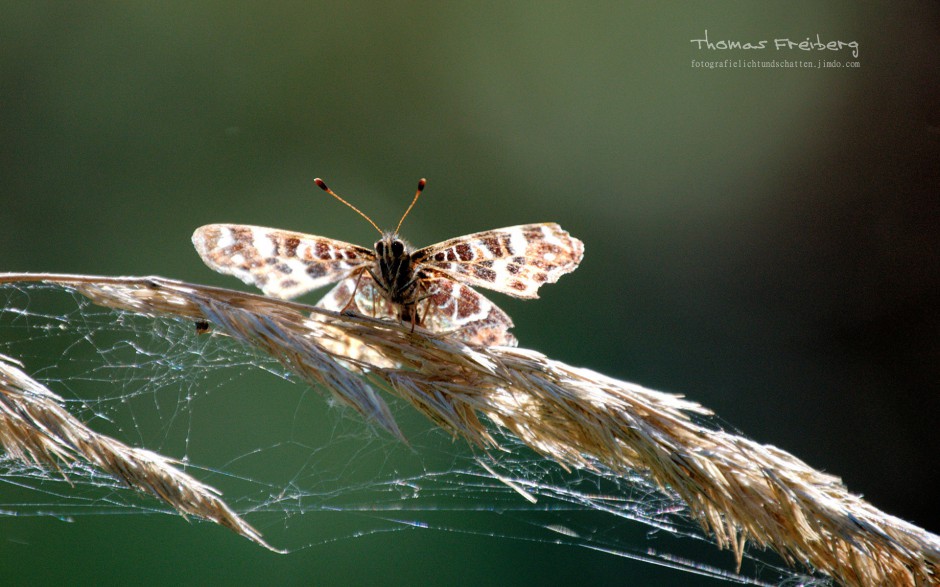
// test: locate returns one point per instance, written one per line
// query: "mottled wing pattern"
(370, 299)
(283, 264)
(446, 306)
(451, 306)
(515, 261)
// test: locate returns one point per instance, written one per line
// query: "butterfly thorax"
(395, 269)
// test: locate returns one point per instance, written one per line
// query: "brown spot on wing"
(484, 273)
(464, 252)
(322, 251)
(467, 305)
(286, 247)
(492, 245)
(506, 241)
(316, 270)
(290, 246)
(282, 267)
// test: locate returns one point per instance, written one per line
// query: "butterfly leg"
(428, 295)
(350, 306)
(380, 283)
(421, 294)
(412, 312)
(408, 312)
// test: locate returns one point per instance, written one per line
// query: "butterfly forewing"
(515, 261)
(283, 264)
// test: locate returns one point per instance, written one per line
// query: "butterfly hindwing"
(451, 306)
(444, 306)
(369, 300)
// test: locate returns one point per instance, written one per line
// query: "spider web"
(305, 475)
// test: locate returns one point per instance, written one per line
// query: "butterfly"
(430, 287)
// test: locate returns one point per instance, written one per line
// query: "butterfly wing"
(370, 300)
(515, 261)
(283, 264)
(451, 306)
(446, 306)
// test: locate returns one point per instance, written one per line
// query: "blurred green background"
(764, 241)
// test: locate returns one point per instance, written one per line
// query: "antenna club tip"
(321, 184)
(421, 183)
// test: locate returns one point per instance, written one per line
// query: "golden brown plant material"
(37, 430)
(738, 490)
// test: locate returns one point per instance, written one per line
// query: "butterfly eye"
(398, 248)
(380, 248)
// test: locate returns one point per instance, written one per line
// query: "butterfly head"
(391, 247)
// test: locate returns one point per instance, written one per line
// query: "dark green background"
(764, 240)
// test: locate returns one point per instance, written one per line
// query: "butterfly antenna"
(322, 185)
(421, 183)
